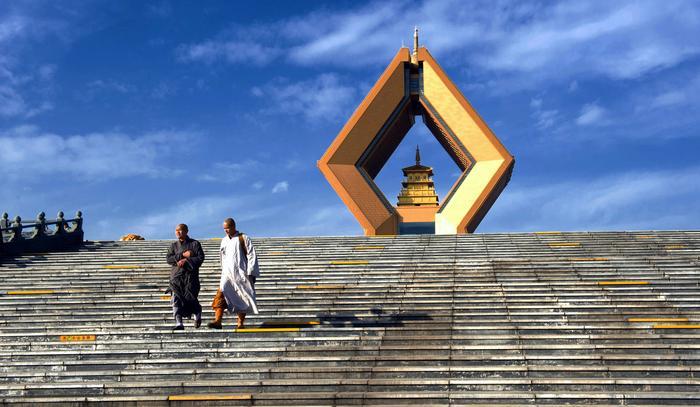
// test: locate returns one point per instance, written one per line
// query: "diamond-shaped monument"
(415, 85)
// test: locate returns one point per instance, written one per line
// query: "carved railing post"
(4, 224)
(60, 224)
(78, 222)
(67, 234)
(39, 226)
(16, 230)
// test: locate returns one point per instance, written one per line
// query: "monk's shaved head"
(183, 227)
(229, 227)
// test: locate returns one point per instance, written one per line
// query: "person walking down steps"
(239, 270)
(186, 256)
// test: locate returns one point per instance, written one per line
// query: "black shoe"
(197, 322)
(179, 328)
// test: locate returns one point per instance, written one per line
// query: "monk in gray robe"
(186, 256)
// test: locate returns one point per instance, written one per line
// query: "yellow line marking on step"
(77, 338)
(623, 282)
(165, 297)
(274, 253)
(209, 397)
(551, 232)
(367, 247)
(678, 326)
(254, 330)
(30, 292)
(564, 244)
(657, 319)
(348, 262)
(214, 238)
(645, 237)
(124, 267)
(675, 247)
(292, 323)
(319, 287)
(589, 259)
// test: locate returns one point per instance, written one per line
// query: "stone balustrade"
(41, 235)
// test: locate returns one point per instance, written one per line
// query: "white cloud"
(233, 51)
(282, 186)
(23, 89)
(11, 102)
(195, 213)
(529, 40)
(684, 93)
(324, 98)
(230, 171)
(11, 27)
(326, 220)
(47, 72)
(203, 215)
(544, 119)
(110, 85)
(29, 153)
(591, 114)
(163, 90)
(625, 201)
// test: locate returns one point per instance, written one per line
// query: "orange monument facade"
(415, 85)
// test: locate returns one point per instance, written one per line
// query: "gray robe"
(184, 281)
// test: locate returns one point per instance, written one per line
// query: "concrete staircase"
(609, 318)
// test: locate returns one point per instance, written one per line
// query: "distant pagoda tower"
(418, 187)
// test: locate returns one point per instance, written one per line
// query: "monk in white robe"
(239, 270)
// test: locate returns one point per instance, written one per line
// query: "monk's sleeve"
(222, 280)
(172, 257)
(253, 268)
(197, 257)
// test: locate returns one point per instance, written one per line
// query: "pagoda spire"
(418, 188)
(414, 56)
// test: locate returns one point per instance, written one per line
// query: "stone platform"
(610, 318)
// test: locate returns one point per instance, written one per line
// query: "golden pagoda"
(418, 187)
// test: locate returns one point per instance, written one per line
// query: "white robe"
(234, 283)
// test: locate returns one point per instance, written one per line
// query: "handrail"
(40, 230)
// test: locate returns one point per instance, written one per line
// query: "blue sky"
(146, 114)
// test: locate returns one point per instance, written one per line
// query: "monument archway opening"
(445, 171)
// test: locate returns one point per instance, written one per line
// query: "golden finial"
(414, 56)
